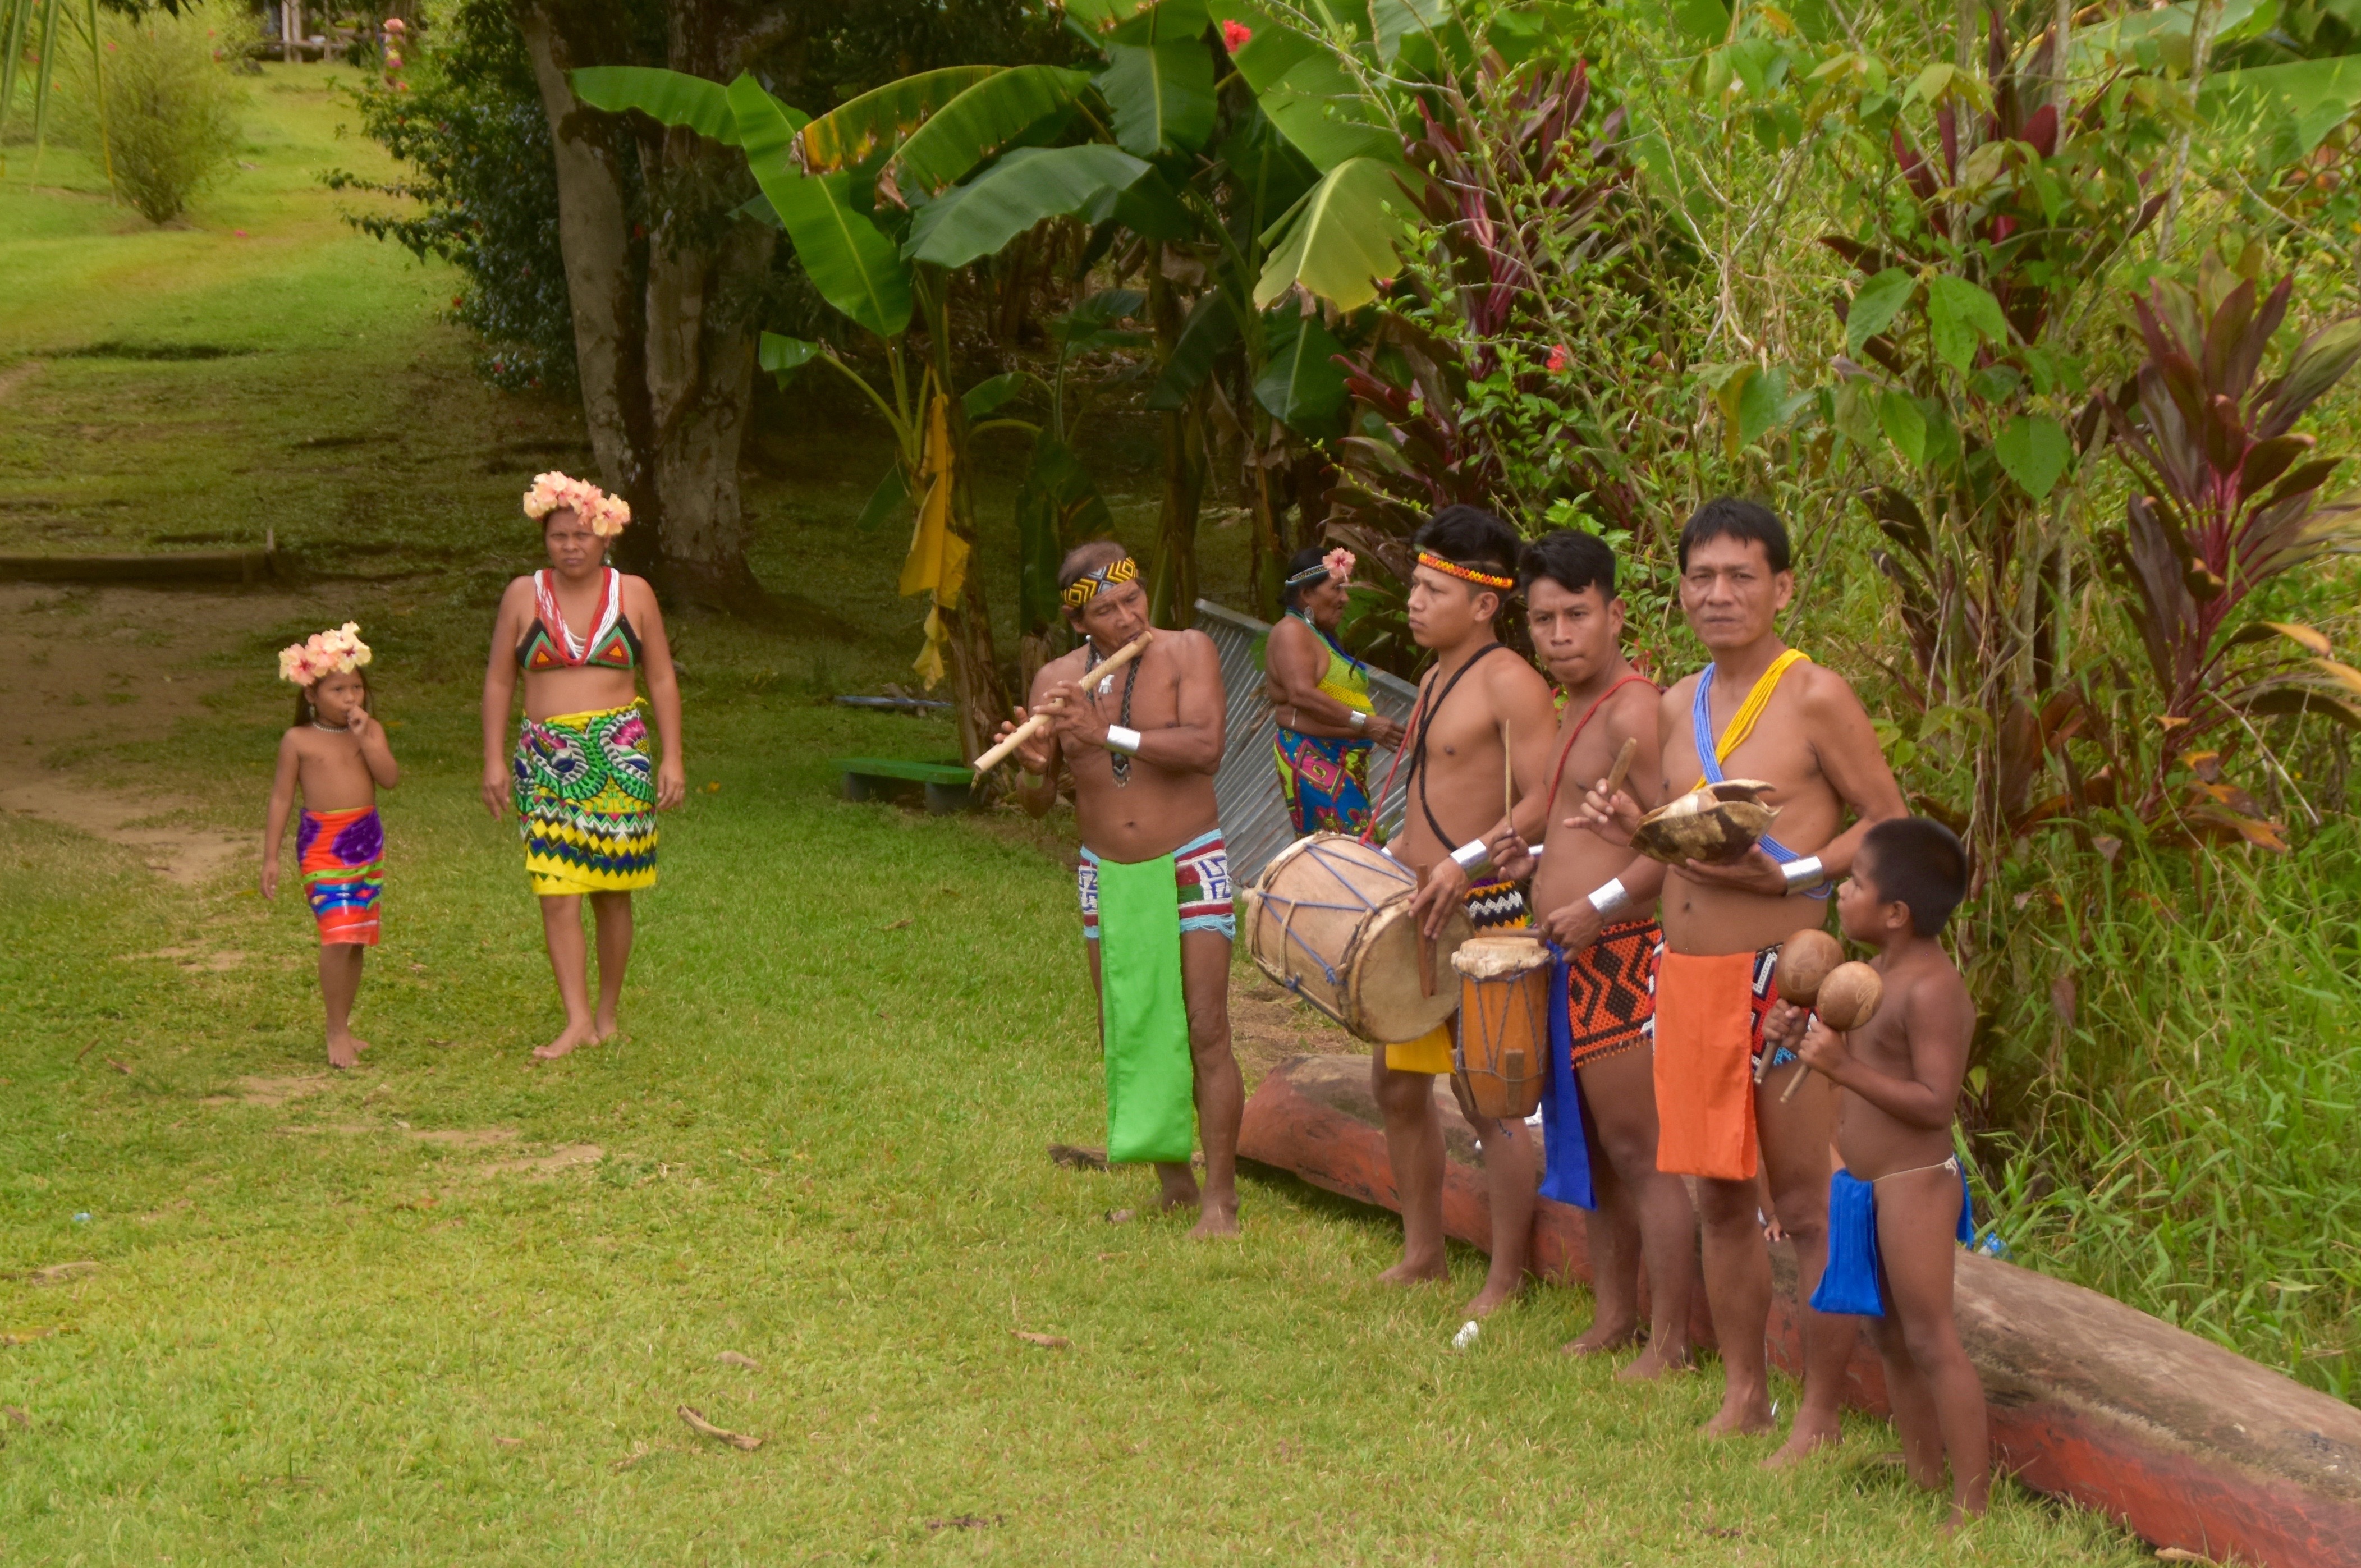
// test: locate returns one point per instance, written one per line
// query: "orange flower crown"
(553, 491)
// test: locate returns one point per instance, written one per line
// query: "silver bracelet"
(1121, 739)
(1804, 874)
(1360, 720)
(1471, 854)
(1610, 897)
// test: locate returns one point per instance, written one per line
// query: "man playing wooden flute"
(1761, 710)
(1142, 745)
(1483, 714)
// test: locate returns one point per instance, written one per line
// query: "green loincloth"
(1144, 1015)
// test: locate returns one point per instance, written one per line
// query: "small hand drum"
(1501, 1057)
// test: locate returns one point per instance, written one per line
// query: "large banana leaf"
(1301, 385)
(849, 133)
(1031, 183)
(1212, 327)
(855, 267)
(673, 97)
(1162, 22)
(1398, 19)
(1307, 93)
(981, 121)
(1341, 238)
(1147, 206)
(1162, 96)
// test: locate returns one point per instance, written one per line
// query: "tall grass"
(2179, 1058)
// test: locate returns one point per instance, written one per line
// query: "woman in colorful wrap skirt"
(1320, 695)
(584, 773)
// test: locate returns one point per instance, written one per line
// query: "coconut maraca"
(1848, 999)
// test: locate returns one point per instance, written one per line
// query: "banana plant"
(883, 197)
(38, 22)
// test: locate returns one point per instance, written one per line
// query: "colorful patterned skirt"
(1325, 780)
(342, 854)
(585, 800)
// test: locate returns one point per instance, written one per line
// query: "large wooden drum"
(1501, 1056)
(1330, 920)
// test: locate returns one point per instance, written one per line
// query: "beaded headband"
(1465, 574)
(1084, 588)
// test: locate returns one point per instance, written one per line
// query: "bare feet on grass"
(1740, 1417)
(1808, 1438)
(1652, 1364)
(345, 1051)
(1215, 1219)
(1496, 1294)
(1600, 1338)
(604, 1027)
(1410, 1271)
(574, 1035)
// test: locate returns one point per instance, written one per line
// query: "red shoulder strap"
(1581, 724)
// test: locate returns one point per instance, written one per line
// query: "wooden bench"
(950, 786)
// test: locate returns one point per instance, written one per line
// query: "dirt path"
(87, 671)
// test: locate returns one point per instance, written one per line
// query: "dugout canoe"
(2188, 1444)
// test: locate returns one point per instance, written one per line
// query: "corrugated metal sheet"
(1255, 824)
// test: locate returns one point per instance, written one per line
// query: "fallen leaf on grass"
(27, 1336)
(1078, 1157)
(1118, 1216)
(904, 923)
(703, 1428)
(732, 1358)
(638, 1451)
(1047, 1342)
(17, 1417)
(964, 1521)
(56, 1272)
(118, 1067)
(508, 1442)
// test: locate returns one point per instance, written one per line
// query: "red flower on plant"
(1234, 35)
(1557, 358)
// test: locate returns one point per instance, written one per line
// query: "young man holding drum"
(1595, 901)
(1761, 710)
(1142, 745)
(1479, 734)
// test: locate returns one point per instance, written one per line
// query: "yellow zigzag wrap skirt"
(585, 800)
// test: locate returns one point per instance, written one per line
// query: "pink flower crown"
(340, 651)
(605, 514)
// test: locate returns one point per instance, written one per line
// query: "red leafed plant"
(2229, 498)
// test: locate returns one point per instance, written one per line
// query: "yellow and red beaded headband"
(1465, 574)
(1084, 588)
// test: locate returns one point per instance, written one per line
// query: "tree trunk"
(665, 349)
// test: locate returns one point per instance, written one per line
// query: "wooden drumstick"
(1623, 760)
(1034, 725)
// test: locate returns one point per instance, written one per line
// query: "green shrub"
(172, 122)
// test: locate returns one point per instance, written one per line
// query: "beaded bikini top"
(612, 645)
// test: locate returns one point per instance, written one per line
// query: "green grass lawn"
(443, 1309)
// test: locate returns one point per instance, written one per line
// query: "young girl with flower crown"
(584, 773)
(336, 754)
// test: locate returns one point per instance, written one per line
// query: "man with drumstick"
(1142, 745)
(1480, 733)
(1596, 900)
(1761, 710)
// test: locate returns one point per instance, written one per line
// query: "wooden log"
(2189, 1445)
